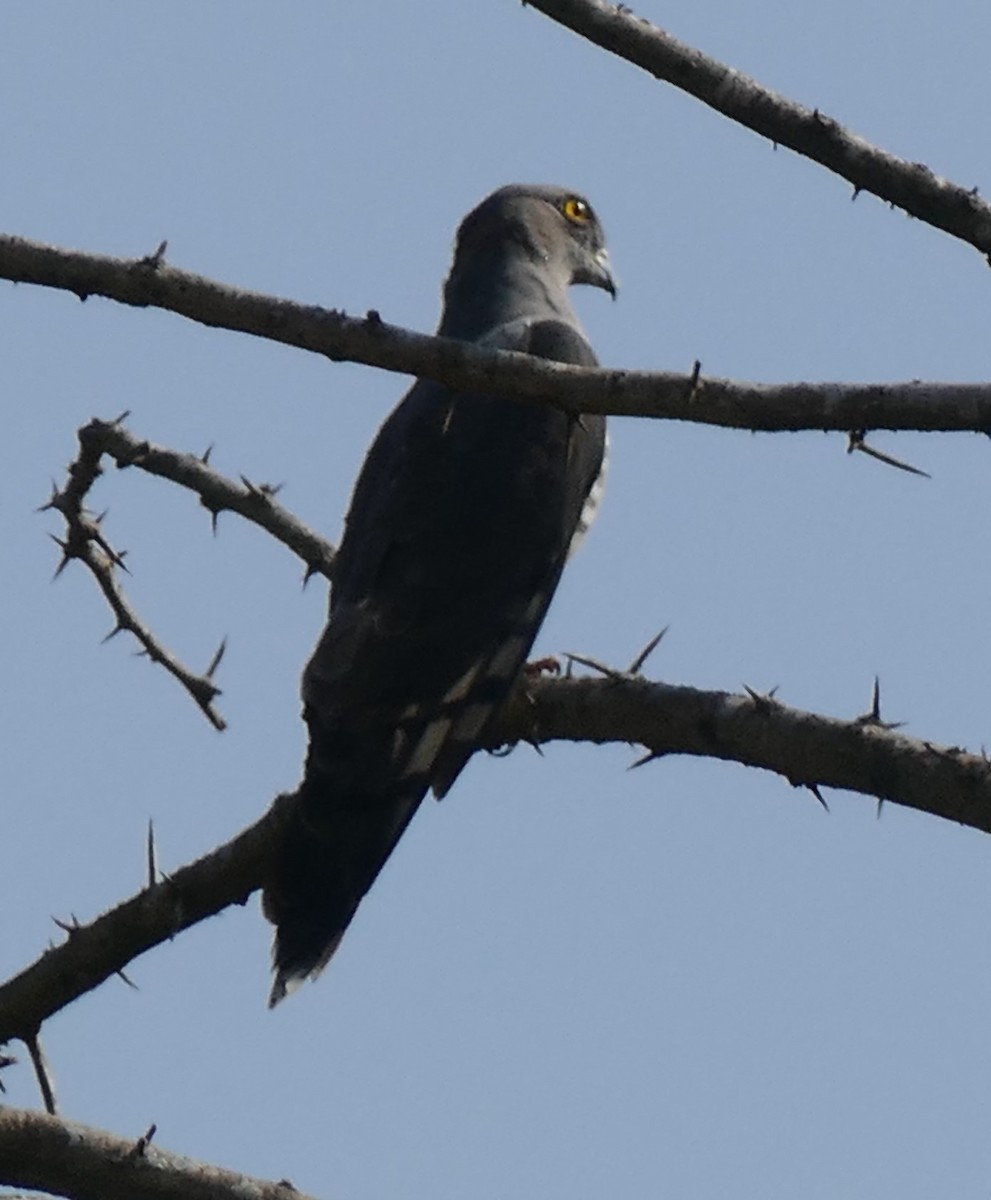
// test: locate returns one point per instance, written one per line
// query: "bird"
(460, 522)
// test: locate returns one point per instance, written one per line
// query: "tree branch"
(67, 1159)
(863, 755)
(907, 185)
(811, 751)
(254, 501)
(93, 953)
(85, 540)
(369, 340)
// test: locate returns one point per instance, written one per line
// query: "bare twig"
(83, 545)
(217, 493)
(68, 1159)
(769, 407)
(85, 540)
(908, 185)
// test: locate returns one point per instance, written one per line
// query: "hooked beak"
(597, 272)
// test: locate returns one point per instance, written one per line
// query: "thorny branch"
(40, 1151)
(863, 755)
(254, 501)
(85, 540)
(907, 185)
(692, 397)
(93, 953)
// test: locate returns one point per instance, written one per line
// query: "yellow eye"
(576, 210)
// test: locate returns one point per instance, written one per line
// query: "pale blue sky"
(571, 981)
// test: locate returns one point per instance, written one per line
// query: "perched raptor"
(459, 526)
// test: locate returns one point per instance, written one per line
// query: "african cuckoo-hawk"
(459, 526)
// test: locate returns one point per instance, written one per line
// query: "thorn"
(214, 514)
(645, 758)
(855, 441)
(762, 700)
(215, 662)
(152, 871)
(856, 192)
(205, 456)
(594, 665)
(66, 556)
(130, 982)
(154, 261)
(250, 487)
(118, 628)
(52, 501)
(311, 570)
(635, 667)
(141, 1145)
(693, 381)
(41, 1073)
(68, 927)
(122, 417)
(873, 715)
(814, 789)
(880, 805)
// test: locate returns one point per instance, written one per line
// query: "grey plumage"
(458, 529)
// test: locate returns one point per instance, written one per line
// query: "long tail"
(332, 851)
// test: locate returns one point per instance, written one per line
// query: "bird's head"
(555, 227)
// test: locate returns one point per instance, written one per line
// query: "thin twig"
(85, 540)
(911, 186)
(217, 493)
